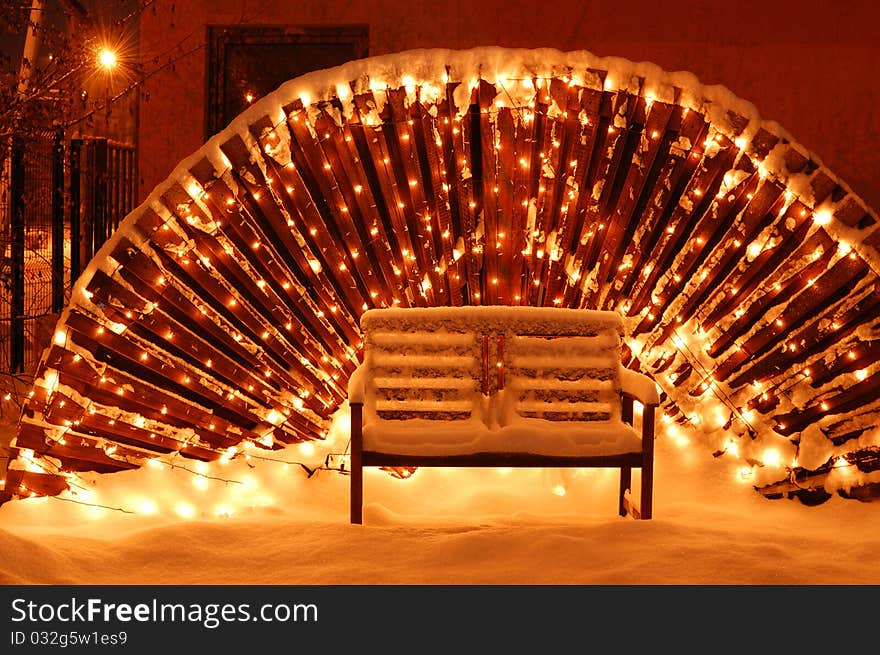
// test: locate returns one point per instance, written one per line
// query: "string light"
(412, 275)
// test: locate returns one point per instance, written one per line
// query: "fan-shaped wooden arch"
(224, 311)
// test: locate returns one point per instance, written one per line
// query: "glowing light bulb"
(146, 506)
(107, 59)
(822, 217)
(185, 510)
(772, 457)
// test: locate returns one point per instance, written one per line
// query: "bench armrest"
(639, 386)
(356, 385)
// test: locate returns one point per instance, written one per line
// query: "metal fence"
(59, 202)
(102, 191)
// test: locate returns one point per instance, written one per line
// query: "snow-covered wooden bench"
(499, 386)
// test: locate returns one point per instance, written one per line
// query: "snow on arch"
(224, 311)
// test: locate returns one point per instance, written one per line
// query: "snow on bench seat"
(497, 386)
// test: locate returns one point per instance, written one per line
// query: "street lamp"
(107, 58)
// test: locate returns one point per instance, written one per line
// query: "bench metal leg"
(647, 461)
(625, 484)
(357, 468)
(357, 494)
(647, 489)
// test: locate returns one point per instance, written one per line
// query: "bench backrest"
(498, 364)
(421, 373)
(562, 378)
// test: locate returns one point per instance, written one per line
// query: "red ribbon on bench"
(499, 363)
(485, 353)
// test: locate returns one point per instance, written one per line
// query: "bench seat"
(471, 436)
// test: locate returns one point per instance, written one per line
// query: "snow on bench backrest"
(418, 370)
(436, 363)
(563, 378)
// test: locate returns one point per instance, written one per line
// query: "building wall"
(810, 65)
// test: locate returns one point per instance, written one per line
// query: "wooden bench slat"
(413, 382)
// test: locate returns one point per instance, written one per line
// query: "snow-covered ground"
(275, 525)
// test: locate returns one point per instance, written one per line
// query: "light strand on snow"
(181, 467)
(713, 386)
(170, 463)
(150, 454)
(84, 487)
(69, 476)
(310, 471)
(838, 462)
(97, 505)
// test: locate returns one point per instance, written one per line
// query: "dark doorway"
(246, 62)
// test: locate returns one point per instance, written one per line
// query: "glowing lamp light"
(822, 217)
(107, 59)
(559, 490)
(51, 377)
(772, 457)
(146, 506)
(185, 510)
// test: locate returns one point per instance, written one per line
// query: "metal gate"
(59, 202)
